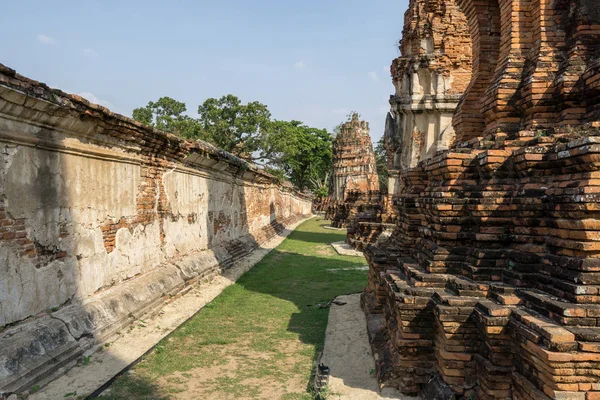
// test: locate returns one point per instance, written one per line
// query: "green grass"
(262, 332)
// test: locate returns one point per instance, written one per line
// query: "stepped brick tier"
(104, 219)
(365, 231)
(354, 183)
(429, 77)
(488, 286)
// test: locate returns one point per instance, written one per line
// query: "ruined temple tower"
(429, 77)
(354, 168)
(488, 286)
(354, 179)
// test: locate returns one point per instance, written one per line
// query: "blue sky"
(309, 60)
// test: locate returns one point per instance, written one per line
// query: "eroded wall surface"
(101, 217)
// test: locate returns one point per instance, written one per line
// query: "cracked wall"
(85, 215)
(101, 217)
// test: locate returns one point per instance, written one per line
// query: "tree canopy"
(167, 114)
(303, 153)
(287, 149)
(235, 127)
(381, 163)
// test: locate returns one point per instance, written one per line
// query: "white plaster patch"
(26, 290)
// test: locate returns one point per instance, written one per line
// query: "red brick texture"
(435, 36)
(530, 62)
(13, 232)
(483, 17)
(354, 179)
(491, 275)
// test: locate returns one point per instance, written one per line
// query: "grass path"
(259, 338)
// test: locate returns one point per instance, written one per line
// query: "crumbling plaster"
(101, 218)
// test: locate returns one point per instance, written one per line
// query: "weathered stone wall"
(490, 279)
(101, 217)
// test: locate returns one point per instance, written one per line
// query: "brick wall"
(529, 62)
(489, 278)
(101, 217)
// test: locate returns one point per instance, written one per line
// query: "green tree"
(382, 164)
(277, 173)
(320, 185)
(287, 149)
(167, 114)
(237, 128)
(145, 115)
(303, 153)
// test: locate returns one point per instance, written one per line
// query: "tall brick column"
(483, 17)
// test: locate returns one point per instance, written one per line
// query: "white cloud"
(373, 76)
(386, 69)
(90, 53)
(93, 99)
(45, 39)
(300, 65)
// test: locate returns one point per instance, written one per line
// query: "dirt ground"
(260, 337)
(106, 361)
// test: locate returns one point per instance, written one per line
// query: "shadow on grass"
(320, 238)
(252, 310)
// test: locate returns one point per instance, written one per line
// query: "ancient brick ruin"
(489, 285)
(430, 77)
(354, 186)
(104, 219)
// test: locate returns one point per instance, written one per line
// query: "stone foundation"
(103, 219)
